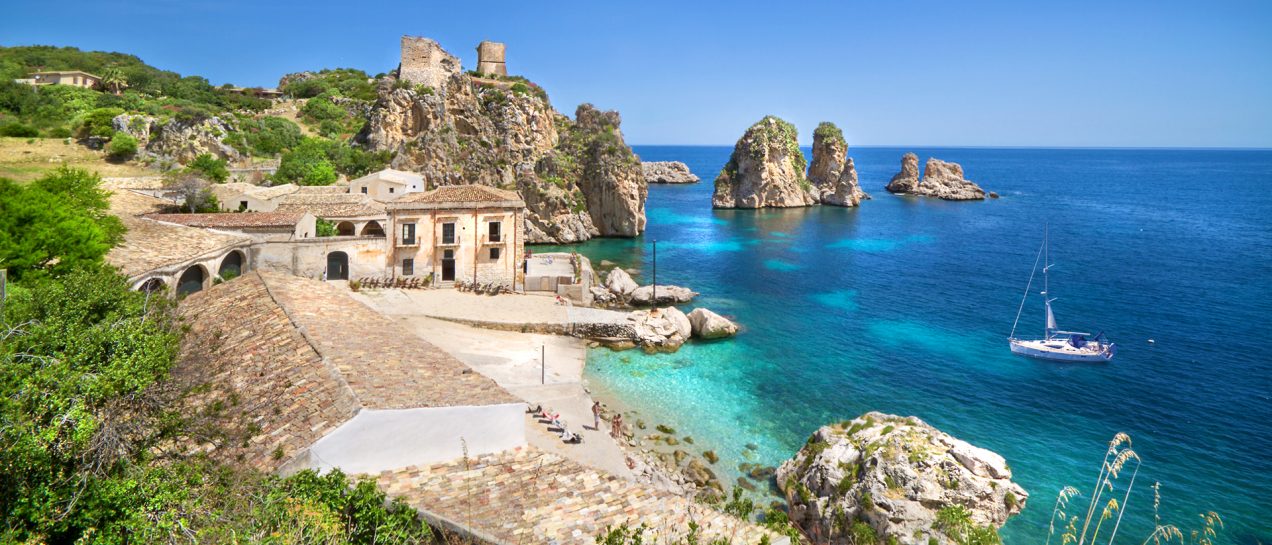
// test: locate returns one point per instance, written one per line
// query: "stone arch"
(373, 229)
(192, 280)
(337, 266)
(232, 265)
(152, 285)
(345, 229)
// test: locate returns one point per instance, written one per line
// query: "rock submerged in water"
(894, 474)
(668, 172)
(941, 179)
(766, 170)
(709, 325)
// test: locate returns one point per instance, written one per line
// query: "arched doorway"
(191, 281)
(151, 286)
(231, 265)
(344, 229)
(337, 266)
(373, 229)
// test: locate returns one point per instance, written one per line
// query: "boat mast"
(1028, 286)
(1046, 285)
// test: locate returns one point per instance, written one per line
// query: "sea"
(904, 305)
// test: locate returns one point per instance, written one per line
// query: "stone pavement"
(528, 496)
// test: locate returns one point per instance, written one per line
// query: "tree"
(114, 80)
(122, 146)
(194, 192)
(57, 223)
(209, 166)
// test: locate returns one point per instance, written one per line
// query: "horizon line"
(945, 146)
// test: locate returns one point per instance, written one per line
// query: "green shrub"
(122, 146)
(98, 122)
(57, 223)
(210, 167)
(17, 129)
(60, 132)
(324, 228)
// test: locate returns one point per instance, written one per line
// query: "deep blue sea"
(904, 305)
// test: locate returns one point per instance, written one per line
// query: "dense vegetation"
(56, 110)
(95, 449)
(317, 161)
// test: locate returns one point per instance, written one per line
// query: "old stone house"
(471, 233)
(259, 226)
(387, 184)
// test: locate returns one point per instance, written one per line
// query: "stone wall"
(424, 62)
(490, 58)
(308, 258)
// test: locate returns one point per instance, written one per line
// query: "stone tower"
(490, 58)
(424, 62)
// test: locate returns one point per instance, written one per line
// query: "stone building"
(469, 233)
(259, 226)
(490, 58)
(388, 184)
(424, 62)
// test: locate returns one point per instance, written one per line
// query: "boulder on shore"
(895, 474)
(765, 170)
(668, 172)
(709, 325)
(941, 179)
(619, 282)
(674, 295)
(659, 329)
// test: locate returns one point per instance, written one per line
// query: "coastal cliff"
(578, 177)
(894, 474)
(832, 172)
(765, 170)
(668, 172)
(941, 180)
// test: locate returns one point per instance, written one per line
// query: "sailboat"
(1057, 345)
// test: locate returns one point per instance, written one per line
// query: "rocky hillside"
(578, 177)
(765, 170)
(895, 475)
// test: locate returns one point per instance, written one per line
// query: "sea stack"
(766, 170)
(894, 474)
(667, 172)
(832, 173)
(941, 179)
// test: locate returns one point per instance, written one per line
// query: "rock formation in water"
(578, 177)
(941, 179)
(179, 140)
(660, 329)
(765, 170)
(832, 172)
(894, 474)
(709, 325)
(667, 172)
(662, 295)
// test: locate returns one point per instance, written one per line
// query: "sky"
(1079, 73)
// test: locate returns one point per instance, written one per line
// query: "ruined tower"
(424, 62)
(490, 58)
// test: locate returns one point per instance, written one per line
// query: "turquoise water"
(903, 306)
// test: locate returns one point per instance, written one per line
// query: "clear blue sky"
(904, 72)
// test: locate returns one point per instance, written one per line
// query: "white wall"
(380, 440)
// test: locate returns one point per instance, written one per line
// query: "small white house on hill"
(387, 184)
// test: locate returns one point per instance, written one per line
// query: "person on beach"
(617, 425)
(596, 415)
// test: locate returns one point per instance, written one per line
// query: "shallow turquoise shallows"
(904, 306)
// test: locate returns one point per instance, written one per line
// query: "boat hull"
(1055, 350)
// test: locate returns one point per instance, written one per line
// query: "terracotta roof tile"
(331, 205)
(232, 220)
(463, 194)
(150, 245)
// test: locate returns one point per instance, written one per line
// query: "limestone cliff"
(578, 177)
(894, 474)
(765, 170)
(941, 179)
(832, 173)
(179, 140)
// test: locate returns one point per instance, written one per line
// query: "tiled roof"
(232, 220)
(246, 354)
(331, 205)
(261, 192)
(463, 194)
(246, 343)
(321, 189)
(150, 245)
(533, 497)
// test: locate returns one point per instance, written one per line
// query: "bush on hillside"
(98, 122)
(122, 146)
(210, 167)
(57, 223)
(316, 161)
(267, 136)
(19, 130)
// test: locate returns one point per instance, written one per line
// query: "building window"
(242, 205)
(494, 231)
(364, 190)
(390, 190)
(408, 267)
(494, 254)
(448, 233)
(408, 233)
